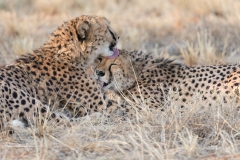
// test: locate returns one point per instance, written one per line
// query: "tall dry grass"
(195, 32)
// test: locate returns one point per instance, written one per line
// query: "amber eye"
(100, 59)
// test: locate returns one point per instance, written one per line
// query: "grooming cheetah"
(55, 76)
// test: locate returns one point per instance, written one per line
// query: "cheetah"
(138, 75)
(53, 80)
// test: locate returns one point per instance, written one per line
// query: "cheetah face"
(115, 74)
(97, 37)
(104, 74)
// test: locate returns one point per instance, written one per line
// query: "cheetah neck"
(63, 45)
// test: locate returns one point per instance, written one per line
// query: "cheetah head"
(85, 38)
(117, 73)
(96, 37)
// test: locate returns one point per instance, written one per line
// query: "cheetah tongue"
(115, 54)
(100, 83)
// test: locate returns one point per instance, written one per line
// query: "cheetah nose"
(100, 73)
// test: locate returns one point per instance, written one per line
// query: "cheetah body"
(56, 76)
(153, 79)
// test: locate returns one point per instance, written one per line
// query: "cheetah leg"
(117, 106)
(16, 104)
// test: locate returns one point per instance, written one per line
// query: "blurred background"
(193, 32)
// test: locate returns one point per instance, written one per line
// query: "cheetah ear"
(82, 29)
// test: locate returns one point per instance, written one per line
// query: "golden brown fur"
(55, 75)
(156, 78)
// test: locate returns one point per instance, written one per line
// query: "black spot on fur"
(23, 102)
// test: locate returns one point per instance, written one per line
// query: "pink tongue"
(100, 83)
(115, 53)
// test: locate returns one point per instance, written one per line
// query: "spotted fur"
(154, 78)
(53, 79)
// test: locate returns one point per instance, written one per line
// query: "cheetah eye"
(113, 36)
(100, 59)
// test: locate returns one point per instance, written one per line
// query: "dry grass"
(194, 32)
